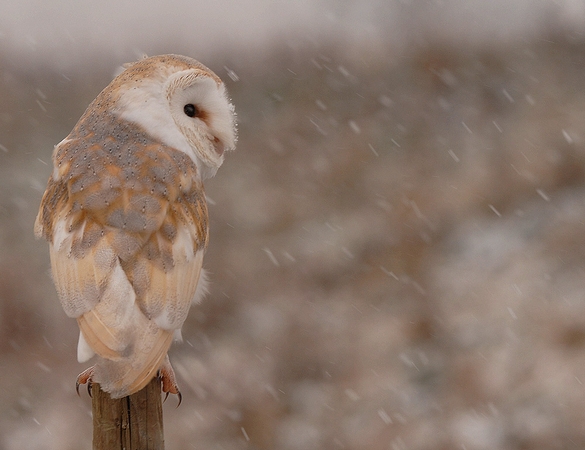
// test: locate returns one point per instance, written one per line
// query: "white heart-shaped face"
(203, 114)
(183, 105)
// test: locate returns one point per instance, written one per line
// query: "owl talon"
(168, 381)
(85, 378)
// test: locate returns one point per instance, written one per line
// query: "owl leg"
(169, 382)
(83, 378)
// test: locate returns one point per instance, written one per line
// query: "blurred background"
(397, 247)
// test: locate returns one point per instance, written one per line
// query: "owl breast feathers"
(125, 213)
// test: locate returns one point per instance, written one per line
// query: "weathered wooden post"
(129, 423)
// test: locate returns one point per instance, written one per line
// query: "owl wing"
(126, 254)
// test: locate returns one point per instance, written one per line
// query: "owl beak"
(218, 146)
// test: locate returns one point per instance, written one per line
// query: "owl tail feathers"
(127, 375)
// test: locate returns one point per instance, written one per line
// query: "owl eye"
(191, 110)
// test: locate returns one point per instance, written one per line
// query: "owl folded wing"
(127, 268)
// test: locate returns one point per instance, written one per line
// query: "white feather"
(188, 284)
(149, 108)
(62, 236)
(183, 245)
(202, 287)
(84, 351)
(56, 174)
(118, 303)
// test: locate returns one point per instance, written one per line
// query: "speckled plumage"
(125, 213)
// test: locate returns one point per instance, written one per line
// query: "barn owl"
(126, 218)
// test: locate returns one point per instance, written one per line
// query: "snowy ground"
(397, 256)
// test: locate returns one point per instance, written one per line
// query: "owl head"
(179, 102)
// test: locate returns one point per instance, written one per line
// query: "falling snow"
(396, 245)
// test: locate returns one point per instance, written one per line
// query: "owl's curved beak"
(218, 146)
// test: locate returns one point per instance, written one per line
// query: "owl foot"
(85, 378)
(168, 380)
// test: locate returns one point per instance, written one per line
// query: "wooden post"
(129, 423)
